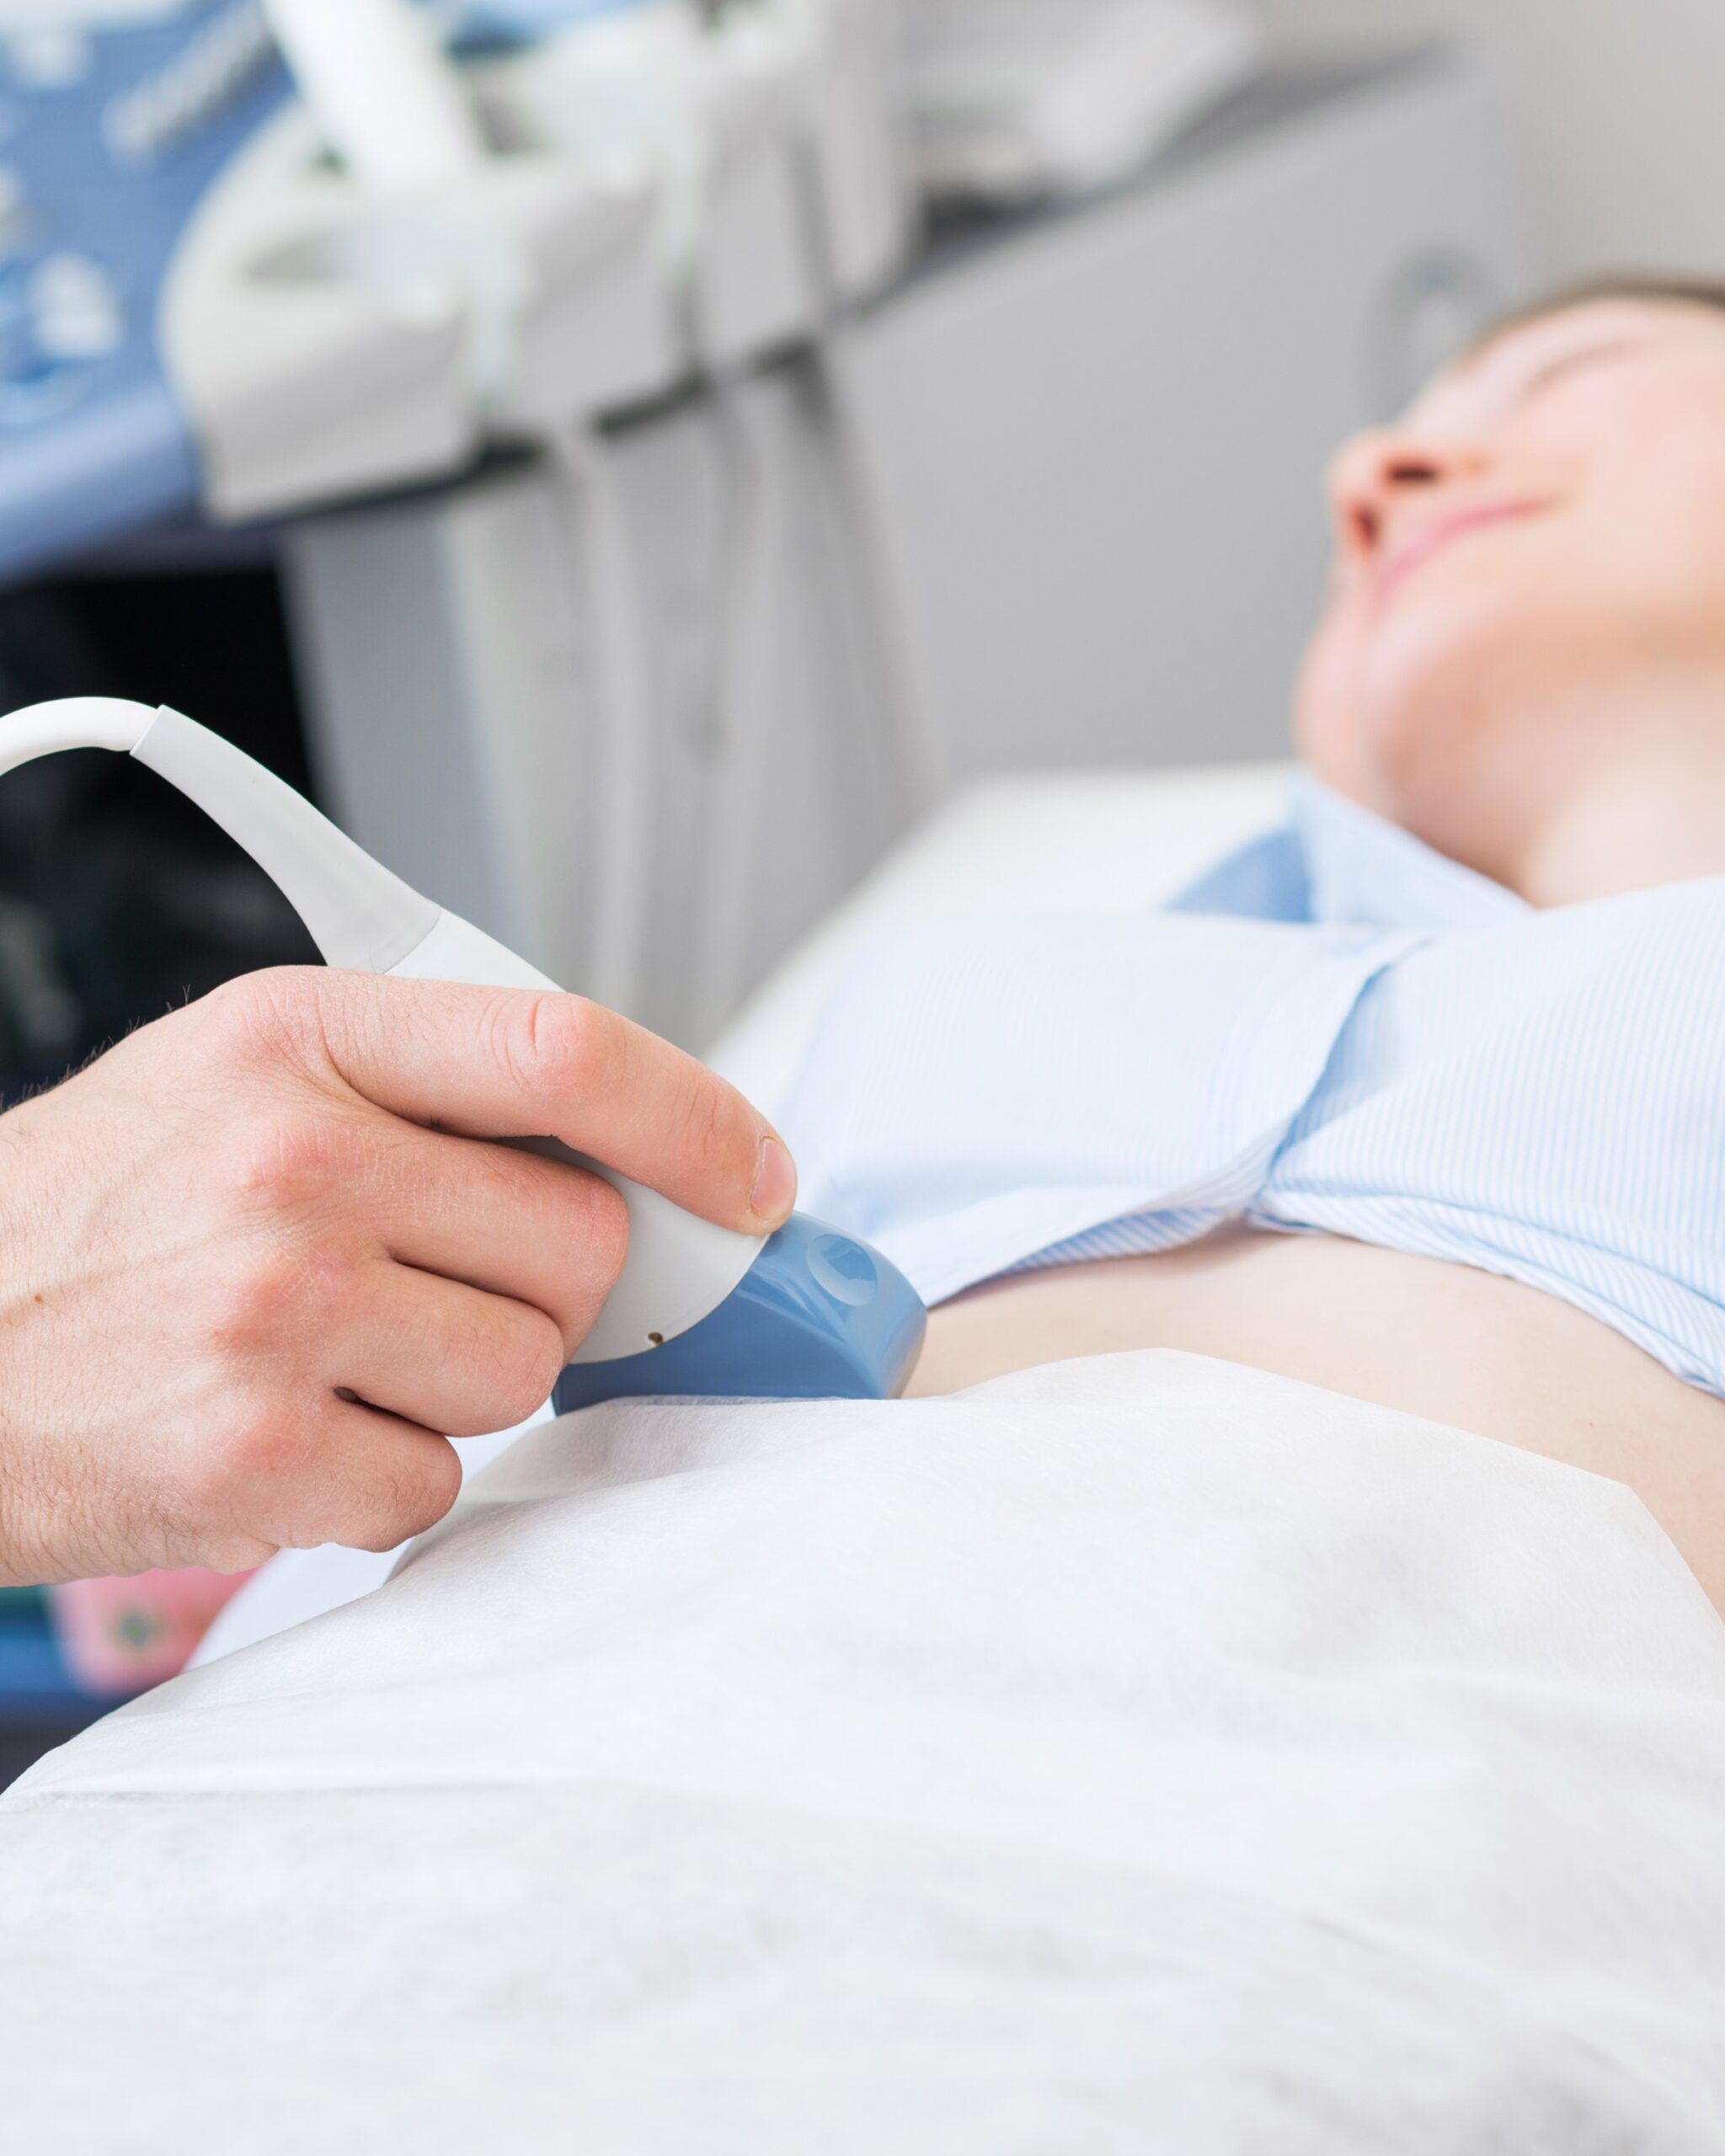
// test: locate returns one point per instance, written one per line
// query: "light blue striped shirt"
(1337, 1030)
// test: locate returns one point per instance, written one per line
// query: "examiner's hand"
(249, 1278)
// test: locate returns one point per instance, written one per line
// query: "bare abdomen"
(1434, 1339)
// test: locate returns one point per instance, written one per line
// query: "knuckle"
(604, 1231)
(581, 1239)
(255, 1018)
(281, 1161)
(237, 1551)
(256, 1448)
(262, 1446)
(587, 1261)
(259, 1296)
(552, 1043)
(527, 1371)
(330, 1275)
(711, 1131)
(408, 1498)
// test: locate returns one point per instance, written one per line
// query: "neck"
(1655, 816)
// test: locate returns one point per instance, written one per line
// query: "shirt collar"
(1364, 869)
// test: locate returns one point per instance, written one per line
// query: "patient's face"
(1533, 555)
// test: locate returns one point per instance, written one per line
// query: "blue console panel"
(109, 138)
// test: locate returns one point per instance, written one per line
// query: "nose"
(1377, 474)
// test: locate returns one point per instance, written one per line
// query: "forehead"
(1491, 379)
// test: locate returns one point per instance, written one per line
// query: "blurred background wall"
(1615, 103)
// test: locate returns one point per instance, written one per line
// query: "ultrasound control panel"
(114, 127)
(109, 138)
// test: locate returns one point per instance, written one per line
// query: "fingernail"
(775, 1184)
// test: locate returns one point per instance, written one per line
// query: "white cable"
(390, 104)
(741, 707)
(74, 723)
(359, 914)
(902, 692)
(621, 733)
(362, 916)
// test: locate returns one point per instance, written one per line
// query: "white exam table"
(1142, 1755)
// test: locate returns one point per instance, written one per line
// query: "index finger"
(531, 1062)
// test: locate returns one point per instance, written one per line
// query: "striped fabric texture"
(1337, 1030)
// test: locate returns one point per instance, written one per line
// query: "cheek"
(1666, 545)
(1637, 561)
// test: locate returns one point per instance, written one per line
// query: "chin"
(1404, 708)
(1437, 682)
(1330, 728)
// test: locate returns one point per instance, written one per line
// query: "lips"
(1437, 532)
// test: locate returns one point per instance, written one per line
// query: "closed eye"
(1569, 363)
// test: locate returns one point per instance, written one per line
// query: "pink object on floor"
(122, 1636)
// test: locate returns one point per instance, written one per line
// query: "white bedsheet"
(1142, 1754)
